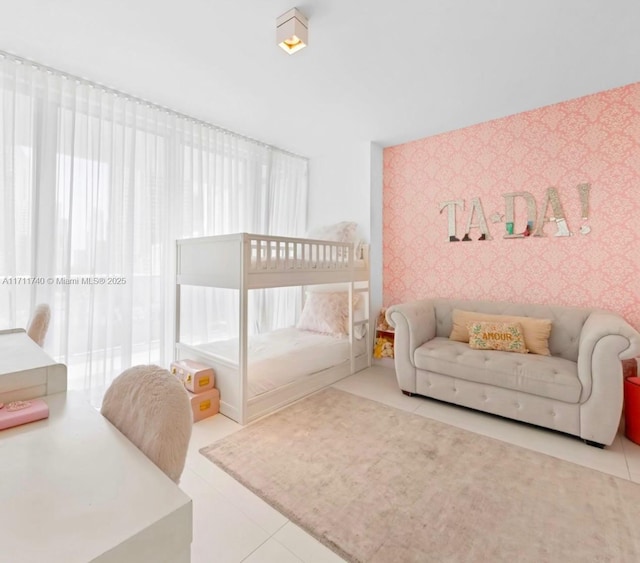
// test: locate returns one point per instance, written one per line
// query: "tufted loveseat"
(577, 389)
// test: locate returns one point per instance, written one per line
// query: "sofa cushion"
(567, 322)
(545, 376)
(536, 331)
(496, 336)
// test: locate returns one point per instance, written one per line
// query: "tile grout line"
(256, 549)
(231, 498)
(285, 547)
(626, 460)
(279, 543)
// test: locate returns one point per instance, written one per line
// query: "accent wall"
(577, 244)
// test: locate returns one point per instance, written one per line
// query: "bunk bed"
(245, 262)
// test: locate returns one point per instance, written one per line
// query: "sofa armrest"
(594, 338)
(414, 324)
(605, 340)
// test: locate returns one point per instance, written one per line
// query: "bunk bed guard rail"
(285, 253)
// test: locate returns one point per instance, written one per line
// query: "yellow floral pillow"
(536, 331)
(508, 337)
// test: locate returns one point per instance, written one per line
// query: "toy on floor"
(199, 381)
(205, 404)
(383, 348)
(196, 377)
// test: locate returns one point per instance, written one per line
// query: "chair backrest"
(39, 324)
(152, 409)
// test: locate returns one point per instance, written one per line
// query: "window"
(97, 187)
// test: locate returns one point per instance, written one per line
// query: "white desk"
(73, 489)
(26, 370)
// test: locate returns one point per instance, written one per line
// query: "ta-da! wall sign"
(535, 226)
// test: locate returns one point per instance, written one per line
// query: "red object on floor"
(632, 408)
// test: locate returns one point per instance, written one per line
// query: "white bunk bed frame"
(245, 261)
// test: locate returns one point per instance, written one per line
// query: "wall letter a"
(553, 199)
(476, 208)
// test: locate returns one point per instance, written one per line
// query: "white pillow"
(345, 231)
(327, 313)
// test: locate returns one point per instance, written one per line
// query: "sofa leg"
(594, 444)
(408, 393)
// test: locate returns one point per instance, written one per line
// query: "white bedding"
(280, 357)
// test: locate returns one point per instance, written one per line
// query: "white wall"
(375, 215)
(346, 185)
(339, 188)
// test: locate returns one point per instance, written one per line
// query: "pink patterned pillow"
(327, 313)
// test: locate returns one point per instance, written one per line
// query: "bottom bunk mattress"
(283, 356)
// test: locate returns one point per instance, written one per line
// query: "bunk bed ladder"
(352, 354)
(365, 323)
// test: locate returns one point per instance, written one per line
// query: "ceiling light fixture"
(292, 31)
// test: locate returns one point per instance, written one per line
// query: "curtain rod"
(138, 100)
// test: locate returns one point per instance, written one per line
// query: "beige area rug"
(376, 484)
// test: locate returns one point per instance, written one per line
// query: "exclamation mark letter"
(583, 190)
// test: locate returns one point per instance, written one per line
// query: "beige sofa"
(577, 390)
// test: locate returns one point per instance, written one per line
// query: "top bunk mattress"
(293, 264)
(282, 356)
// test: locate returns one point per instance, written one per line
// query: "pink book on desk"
(35, 409)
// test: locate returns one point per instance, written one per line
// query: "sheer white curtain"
(95, 189)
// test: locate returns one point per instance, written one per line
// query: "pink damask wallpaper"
(592, 140)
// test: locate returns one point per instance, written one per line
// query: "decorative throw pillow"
(359, 304)
(536, 331)
(326, 313)
(507, 337)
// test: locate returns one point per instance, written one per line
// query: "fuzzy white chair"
(39, 324)
(152, 409)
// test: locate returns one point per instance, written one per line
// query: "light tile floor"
(231, 524)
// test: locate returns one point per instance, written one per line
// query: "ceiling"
(384, 71)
